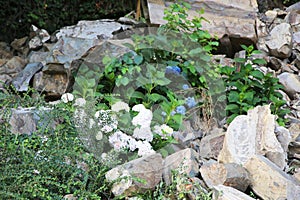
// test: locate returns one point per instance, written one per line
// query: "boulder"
(147, 168)
(23, 120)
(279, 42)
(233, 21)
(95, 29)
(211, 145)
(185, 161)
(21, 81)
(222, 192)
(291, 83)
(252, 134)
(230, 174)
(269, 181)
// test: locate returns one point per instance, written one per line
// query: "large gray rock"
(185, 161)
(21, 81)
(147, 168)
(40, 36)
(252, 134)
(67, 49)
(211, 145)
(291, 83)
(91, 29)
(279, 41)
(233, 21)
(269, 181)
(222, 192)
(230, 174)
(23, 120)
(13, 65)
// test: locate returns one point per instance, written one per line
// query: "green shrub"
(248, 87)
(49, 163)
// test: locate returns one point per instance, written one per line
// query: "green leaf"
(138, 59)
(259, 61)
(106, 60)
(234, 108)
(137, 95)
(154, 97)
(233, 96)
(257, 74)
(240, 60)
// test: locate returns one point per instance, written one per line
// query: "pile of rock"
(254, 152)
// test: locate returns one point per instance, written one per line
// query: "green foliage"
(248, 87)
(141, 76)
(16, 18)
(49, 163)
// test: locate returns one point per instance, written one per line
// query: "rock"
(70, 197)
(280, 41)
(283, 136)
(252, 134)
(148, 169)
(185, 161)
(114, 48)
(13, 66)
(53, 84)
(291, 83)
(38, 56)
(3, 79)
(22, 80)
(19, 44)
(211, 145)
(230, 174)
(222, 192)
(67, 49)
(22, 121)
(233, 21)
(40, 36)
(5, 52)
(269, 182)
(91, 29)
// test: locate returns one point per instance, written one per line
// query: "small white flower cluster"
(106, 120)
(163, 130)
(67, 97)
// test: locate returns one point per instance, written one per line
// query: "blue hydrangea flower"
(163, 113)
(190, 102)
(173, 113)
(185, 86)
(173, 70)
(180, 110)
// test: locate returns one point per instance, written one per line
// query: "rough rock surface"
(269, 181)
(186, 161)
(148, 168)
(222, 192)
(230, 174)
(252, 134)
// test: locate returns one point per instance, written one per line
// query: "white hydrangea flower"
(119, 140)
(144, 148)
(80, 102)
(163, 130)
(120, 105)
(144, 117)
(143, 133)
(67, 97)
(107, 128)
